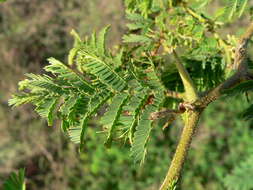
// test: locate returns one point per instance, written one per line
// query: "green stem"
(192, 116)
(177, 163)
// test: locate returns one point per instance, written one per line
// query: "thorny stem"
(178, 160)
(193, 115)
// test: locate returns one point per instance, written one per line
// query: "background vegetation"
(30, 32)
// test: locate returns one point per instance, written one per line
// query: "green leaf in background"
(134, 38)
(241, 176)
(241, 88)
(248, 113)
(15, 181)
(234, 8)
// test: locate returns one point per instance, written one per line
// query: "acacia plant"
(172, 63)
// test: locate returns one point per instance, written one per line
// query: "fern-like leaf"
(76, 99)
(63, 72)
(110, 118)
(242, 6)
(102, 71)
(23, 98)
(39, 83)
(15, 181)
(131, 111)
(76, 133)
(46, 107)
(78, 110)
(234, 8)
(143, 129)
(101, 41)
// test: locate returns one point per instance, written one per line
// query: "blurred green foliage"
(33, 30)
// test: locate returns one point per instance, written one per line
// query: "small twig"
(163, 113)
(179, 157)
(182, 107)
(197, 16)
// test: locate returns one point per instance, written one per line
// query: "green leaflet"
(96, 44)
(96, 102)
(63, 72)
(143, 129)
(242, 6)
(77, 44)
(23, 98)
(15, 181)
(38, 83)
(77, 39)
(234, 8)
(101, 41)
(117, 60)
(78, 110)
(102, 71)
(152, 79)
(110, 118)
(138, 22)
(143, 6)
(135, 26)
(68, 104)
(134, 38)
(45, 108)
(76, 133)
(64, 125)
(72, 109)
(136, 17)
(72, 54)
(173, 185)
(131, 111)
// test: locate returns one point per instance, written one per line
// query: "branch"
(177, 162)
(164, 113)
(193, 114)
(242, 72)
(191, 93)
(182, 107)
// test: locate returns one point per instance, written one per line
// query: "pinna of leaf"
(76, 99)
